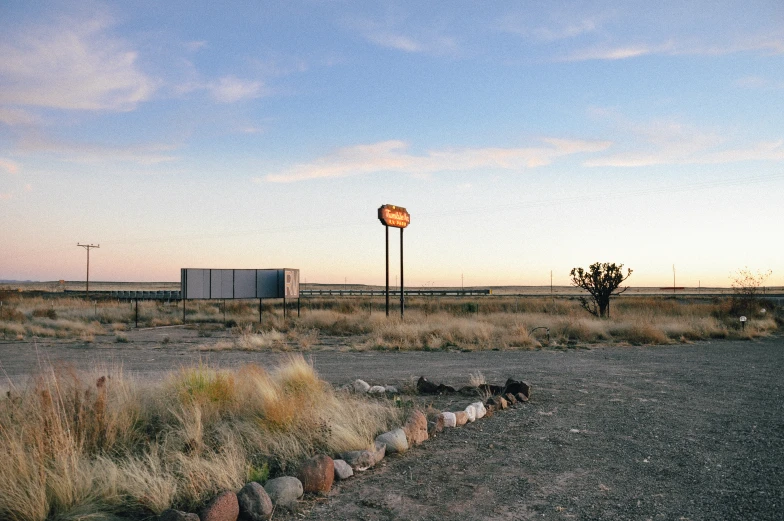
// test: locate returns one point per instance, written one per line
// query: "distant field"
(70, 285)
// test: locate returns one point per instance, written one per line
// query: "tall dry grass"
(91, 445)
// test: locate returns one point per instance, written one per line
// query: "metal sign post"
(397, 217)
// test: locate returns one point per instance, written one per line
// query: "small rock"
(521, 397)
(360, 386)
(391, 389)
(361, 460)
(469, 390)
(177, 515)
(395, 441)
(480, 409)
(461, 418)
(447, 419)
(470, 413)
(255, 503)
(284, 492)
(317, 474)
(498, 402)
(225, 507)
(510, 398)
(377, 389)
(342, 470)
(416, 428)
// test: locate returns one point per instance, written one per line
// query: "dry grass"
(79, 446)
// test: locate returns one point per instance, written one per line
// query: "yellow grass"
(89, 445)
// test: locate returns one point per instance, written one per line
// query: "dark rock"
(488, 389)
(426, 387)
(517, 386)
(510, 398)
(317, 474)
(255, 503)
(498, 402)
(469, 390)
(225, 507)
(176, 515)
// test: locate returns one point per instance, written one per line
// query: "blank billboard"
(236, 284)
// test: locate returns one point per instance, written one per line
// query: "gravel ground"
(676, 432)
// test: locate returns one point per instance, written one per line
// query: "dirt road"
(678, 432)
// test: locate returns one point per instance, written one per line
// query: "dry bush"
(76, 445)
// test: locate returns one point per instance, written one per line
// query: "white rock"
(448, 419)
(342, 470)
(471, 413)
(360, 386)
(480, 409)
(377, 389)
(394, 440)
(391, 389)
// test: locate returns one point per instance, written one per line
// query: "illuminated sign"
(395, 216)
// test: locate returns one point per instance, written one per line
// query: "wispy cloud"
(665, 142)
(78, 152)
(228, 89)
(9, 166)
(410, 39)
(393, 156)
(75, 65)
(4, 196)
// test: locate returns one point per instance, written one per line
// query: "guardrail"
(381, 293)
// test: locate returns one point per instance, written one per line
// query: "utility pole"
(87, 247)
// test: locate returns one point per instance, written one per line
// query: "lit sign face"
(395, 216)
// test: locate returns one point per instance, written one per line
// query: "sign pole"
(387, 290)
(401, 273)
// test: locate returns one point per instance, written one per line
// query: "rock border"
(317, 474)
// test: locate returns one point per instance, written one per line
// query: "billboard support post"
(397, 217)
(402, 306)
(387, 286)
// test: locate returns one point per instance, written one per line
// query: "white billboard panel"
(221, 283)
(198, 283)
(195, 283)
(245, 283)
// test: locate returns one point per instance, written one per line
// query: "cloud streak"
(393, 156)
(76, 65)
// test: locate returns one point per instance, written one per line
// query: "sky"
(523, 138)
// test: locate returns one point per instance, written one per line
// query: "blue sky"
(523, 137)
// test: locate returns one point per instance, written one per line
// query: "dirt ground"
(677, 432)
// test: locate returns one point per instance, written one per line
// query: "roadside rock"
(498, 402)
(521, 397)
(177, 515)
(360, 386)
(447, 419)
(391, 389)
(480, 409)
(510, 398)
(255, 503)
(361, 460)
(461, 418)
(470, 413)
(342, 470)
(225, 507)
(284, 492)
(416, 428)
(317, 474)
(377, 389)
(426, 387)
(396, 441)
(517, 386)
